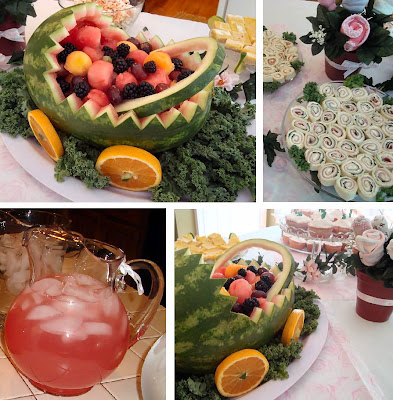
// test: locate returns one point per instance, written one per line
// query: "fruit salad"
(249, 283)
(96, 64)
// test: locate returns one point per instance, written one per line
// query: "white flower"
(319, 36)
(226, 80)
(389, 26)
(389, 249)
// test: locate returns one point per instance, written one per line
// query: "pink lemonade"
(67, 332)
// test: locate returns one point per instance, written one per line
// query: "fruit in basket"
(80, 40)
(209, 325)
(293, 327)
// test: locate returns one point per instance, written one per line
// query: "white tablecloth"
(290, 15)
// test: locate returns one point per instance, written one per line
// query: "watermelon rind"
(206, 330)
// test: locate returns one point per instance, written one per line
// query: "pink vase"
(337, 74)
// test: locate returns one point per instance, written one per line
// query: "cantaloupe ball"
(78, 63)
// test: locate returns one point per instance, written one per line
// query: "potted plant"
(354, 34)
(13, 14)
(374, 270)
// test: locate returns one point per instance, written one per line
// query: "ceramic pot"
(7, 47)
(337, 74)
(374, 301)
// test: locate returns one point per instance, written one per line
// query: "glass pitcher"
(83, 308)
(14, 261)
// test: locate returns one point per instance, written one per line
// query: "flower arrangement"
(375, 257)
(314, 268)
(353, 26)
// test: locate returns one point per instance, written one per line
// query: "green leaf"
(249, 88)
(365, 55)
(271, 87)
(316, 48)
(314, 22)
(335, 20)
(306, 39)
(322, 16)
(270, 146)
(290, 36)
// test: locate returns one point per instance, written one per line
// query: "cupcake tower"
(348, 139)
(278, 54)
(301, 232)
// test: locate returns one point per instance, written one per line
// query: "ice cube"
(37, 298)
(86, 280)
(42, 312)
(97, 328)
(55, 290)
(26, 304)
(43, 285)
(110, 305)
(79, 292)
(62, 326)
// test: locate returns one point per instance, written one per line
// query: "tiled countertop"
(123, 384)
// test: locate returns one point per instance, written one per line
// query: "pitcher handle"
(143, 319)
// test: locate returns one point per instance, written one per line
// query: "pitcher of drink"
(83, 308)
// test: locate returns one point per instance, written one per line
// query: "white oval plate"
(153, 371)
(313, 345)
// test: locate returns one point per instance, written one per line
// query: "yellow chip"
(220, 35)
(221, 26)
(235, 18)
(233, 45)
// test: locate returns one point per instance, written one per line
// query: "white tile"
(33, 389)
(151, 333)
(2, 355)
(126, 389)
(26, 398)
(143, 346)
(130, 367)
(11, 384)
(159, 321)
(97, 393)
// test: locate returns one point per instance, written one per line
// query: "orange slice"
(129, 168)
(293, 327)
(241, 372)
(45, 133)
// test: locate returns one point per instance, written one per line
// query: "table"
(16, 183)
(290, 15)
(123, 384)
(339, 372)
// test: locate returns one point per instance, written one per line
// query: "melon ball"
(100, 75)
(78, 63)
(240, 289)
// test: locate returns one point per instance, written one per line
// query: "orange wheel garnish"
(293, 327)
(241, 372)
(129, 168)
(46, 134)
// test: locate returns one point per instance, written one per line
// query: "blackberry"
(130, 91)
(249, 305)
(177, 63)
(150, 67)
(252, 269)
(184, 74)
(81, 89)
(228, 283)
(263, 286)
(123, 50)
(145, 89)
(119, 65)
(64, 85)
(129, 62)
(68, 49)
(242, 272)
(108, 51)
(267, 280)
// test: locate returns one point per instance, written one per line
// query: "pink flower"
(311, 268)
(329, 4)
(357, 29)
(316, 275)
(226, 80)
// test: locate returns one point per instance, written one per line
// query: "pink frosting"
(329, 4)
(321, 223)
(299, 219)
(357, 29)
(371, 246)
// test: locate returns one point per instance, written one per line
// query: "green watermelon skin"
(103, 130)
(206, 331)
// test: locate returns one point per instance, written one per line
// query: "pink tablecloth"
(283, 174)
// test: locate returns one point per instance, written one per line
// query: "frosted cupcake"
(298, 223)
(335, 215)
(297, 242)
(285, 238)
(333, 247)
(342, 227)
(320, 228)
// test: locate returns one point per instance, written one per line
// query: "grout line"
(109, 391)
(24, 381)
